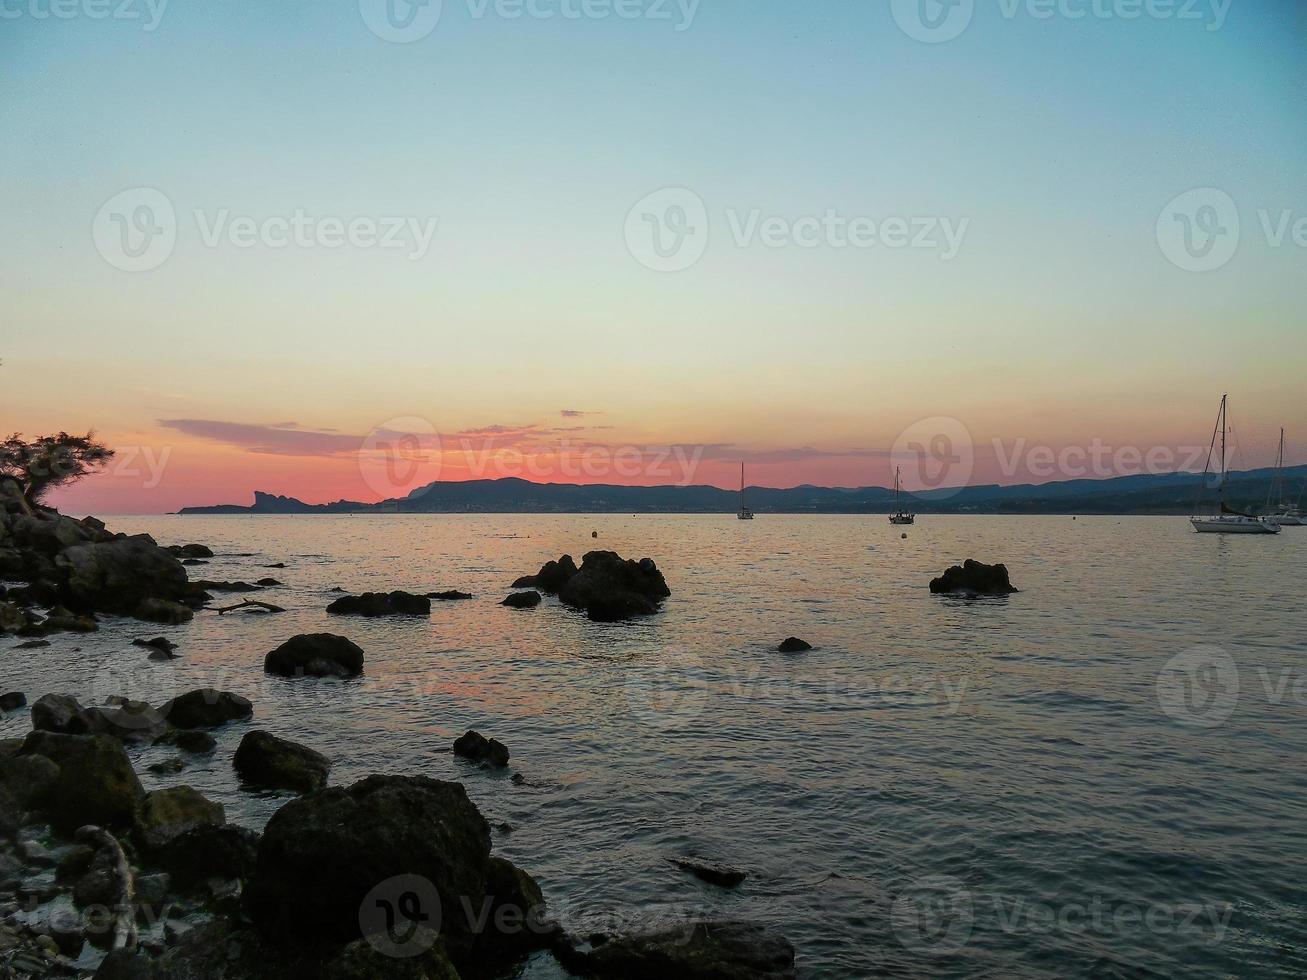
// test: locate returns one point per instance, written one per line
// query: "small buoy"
(594, 534)
(904, 535)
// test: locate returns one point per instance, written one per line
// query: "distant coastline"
(1155, 494)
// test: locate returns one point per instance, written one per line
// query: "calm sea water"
(1100, 776)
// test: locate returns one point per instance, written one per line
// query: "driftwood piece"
(124, 920)
(244, 603)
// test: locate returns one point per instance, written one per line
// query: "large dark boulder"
(206, 708)
(190, 550)
(693, 951)
(974, 578)
(60, 713)
(381, 604)
(315, 655)
(610, 588)
(28, 779)
(96, 782)
(166, 814)
(522, 600)
(324, 854)
(209, 851)
(117, 576)
(48, 534)
(265, 760)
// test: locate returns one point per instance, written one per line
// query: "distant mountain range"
(1173, 493)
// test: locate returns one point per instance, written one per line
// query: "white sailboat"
(1282, 513)
(898, 517)
(1227, 520)
(745, 513)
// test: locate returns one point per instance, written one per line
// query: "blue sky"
(1057, 140)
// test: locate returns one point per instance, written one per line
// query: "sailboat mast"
(1221, 491)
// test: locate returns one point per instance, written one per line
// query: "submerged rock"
(315, 655)
(164, 611)
(474, 745)
(452, 595)
(522, 600)
(209, 585)
(206, 708)
(190, 550)
(710, 871)
(188, 740)
(610, 588)
(693, 951)
(160, 644)
(975, 578)
(265, 760)
(794, 645)
(381, 604)
(13, 701)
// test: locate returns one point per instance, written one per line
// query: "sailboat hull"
(1231, 524)
(1285, 520)
(901, 519)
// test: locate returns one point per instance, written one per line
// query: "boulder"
(130, 721)
(190, 551)
(125, 964)
(48, 534)
(277, 763)
(694, 951)
(28, 779)
(209, 585)
(794, 645)
(188, 740)
(475, 746)
(164, 611)
(553, 575)
(360, 960)
(166, 814)
(522, 600)
(974, 578)
(610, 588)
(206, 708)
(323, 854)
(59, 713)
(160, 644)
(209, 851)
(13, 701)
(452, 595)
(11, 617)
(315, 655)
(381, 604)
(61, 620)
(96, 782)
(117, 576)
(267, 583)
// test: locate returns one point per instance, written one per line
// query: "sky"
(340, 249)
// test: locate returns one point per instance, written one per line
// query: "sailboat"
(745, 513)
(1281, 513)
(1228, 520)
(898, 517)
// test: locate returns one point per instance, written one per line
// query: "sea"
(1101, 775)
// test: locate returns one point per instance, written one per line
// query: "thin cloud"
(272, 440)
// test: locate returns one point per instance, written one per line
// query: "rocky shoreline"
(390, 876)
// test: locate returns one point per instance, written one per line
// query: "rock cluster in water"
(974, 578)
(608, 587)
(381, 604)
